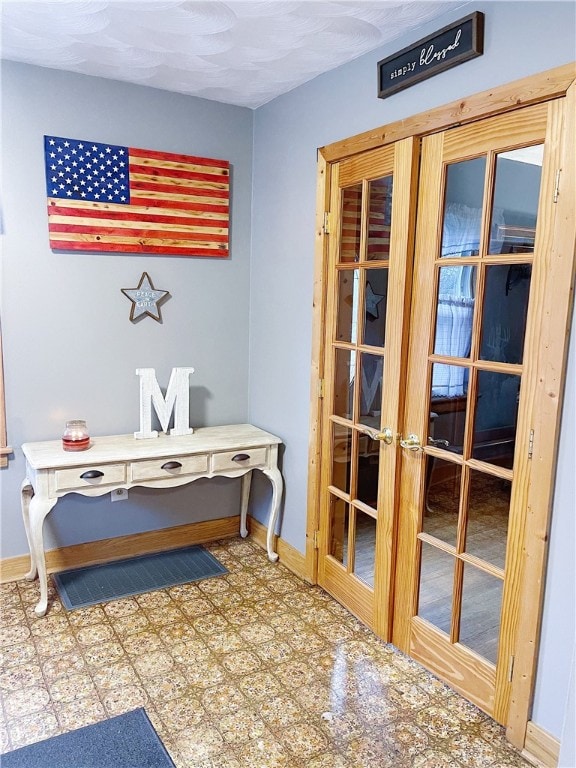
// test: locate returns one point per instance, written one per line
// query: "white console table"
(122, 461)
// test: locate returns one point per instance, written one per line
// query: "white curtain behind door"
(461, 237)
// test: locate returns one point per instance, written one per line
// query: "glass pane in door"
(463, 208)
(448, 405)
(371, 371)
(375, 299)
(436, 582)
(455, 311)
(515, 205)
(344, 375)
(496, 416)
(504, 312)
(339, 523)
(341, 457)
(365, 547)
(368, 470)
(480, 612)
(347, 317)
(379, 218)
(351, 227)
(488, 510)
(442, 499)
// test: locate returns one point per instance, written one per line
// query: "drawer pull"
(92, 474)
(241, 457)
(171, 465)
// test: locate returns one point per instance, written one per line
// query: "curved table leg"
(26, 494)
(246, 483)
(277, 485)
(38, 509)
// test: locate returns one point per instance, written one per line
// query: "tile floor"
(254, 669)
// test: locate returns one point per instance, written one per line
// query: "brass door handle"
(411, 443)
(386, 436)
(438, 443)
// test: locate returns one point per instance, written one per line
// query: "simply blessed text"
(428, 56)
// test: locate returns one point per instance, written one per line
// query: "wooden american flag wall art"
(109, 198)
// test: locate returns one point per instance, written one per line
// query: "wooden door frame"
(552, 84)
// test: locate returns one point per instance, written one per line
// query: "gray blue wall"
(70, 350)
(245, 323)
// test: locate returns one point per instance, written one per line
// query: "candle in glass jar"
(76, 437)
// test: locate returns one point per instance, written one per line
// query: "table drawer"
(84, 477)
(169, 467)
(240, 459)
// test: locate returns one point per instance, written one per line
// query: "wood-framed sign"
(451, 45)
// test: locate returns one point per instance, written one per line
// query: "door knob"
(411, 443)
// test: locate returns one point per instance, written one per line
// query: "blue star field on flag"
(89, 171)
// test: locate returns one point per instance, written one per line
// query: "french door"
(373, 205)
(434, 361)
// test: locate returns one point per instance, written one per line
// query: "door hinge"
(320, 388)
(316, 543)
(326, 222)
(557, 186)
(531, 444)
(510, 669)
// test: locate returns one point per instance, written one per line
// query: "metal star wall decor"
(145, 299)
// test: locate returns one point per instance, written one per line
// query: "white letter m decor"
(177, 400)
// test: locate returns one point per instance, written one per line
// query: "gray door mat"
(94, 584)
(124, 741)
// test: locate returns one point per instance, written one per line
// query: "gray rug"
(126, 741)
(101, 583)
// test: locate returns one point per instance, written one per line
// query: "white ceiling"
(243, 52)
